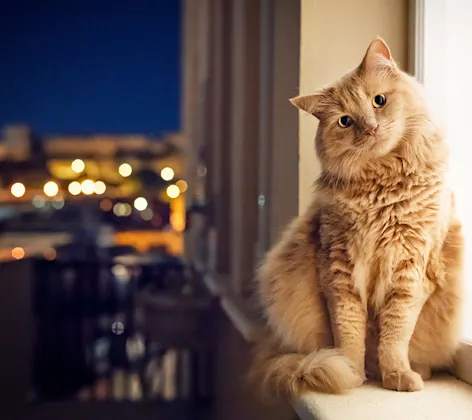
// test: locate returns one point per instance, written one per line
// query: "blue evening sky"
(77, 67)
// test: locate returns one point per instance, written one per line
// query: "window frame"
(422, 14)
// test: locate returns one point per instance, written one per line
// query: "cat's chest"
(374, 246)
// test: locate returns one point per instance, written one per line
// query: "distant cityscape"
(134, 182)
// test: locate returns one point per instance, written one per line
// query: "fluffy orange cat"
(367, 282)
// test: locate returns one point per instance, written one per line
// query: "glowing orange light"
(18, 253)
(106, 204)
(183, 186)
(177, 222)
(50, 254)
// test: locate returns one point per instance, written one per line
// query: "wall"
(240, 66)
(334, 37)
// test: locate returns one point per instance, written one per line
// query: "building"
(116, 167)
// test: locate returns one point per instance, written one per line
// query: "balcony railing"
(85, 334)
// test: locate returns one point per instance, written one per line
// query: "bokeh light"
(18, 253)
(128, 210)
(106, 204)
(173, 191)
(75, 188)
(100, 188)
(39, 201)
(183, 186)
(118, 209)
(167, 173)
(121, 273)
(147, 214)
(140, 204)
(58, 202)
(87, 187)
(50, 254)
(78, 166)
(125, 170)
(51, 189)
(18, 190)
(122, 209)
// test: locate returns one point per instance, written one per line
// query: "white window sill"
(443, 397)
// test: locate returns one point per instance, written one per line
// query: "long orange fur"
(367, 282)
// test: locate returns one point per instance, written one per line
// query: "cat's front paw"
(406, 380)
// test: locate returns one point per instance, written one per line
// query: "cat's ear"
(378, 55)
(312, 104)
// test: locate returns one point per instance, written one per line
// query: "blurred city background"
(148, 159)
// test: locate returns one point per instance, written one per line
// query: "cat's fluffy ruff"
(373, 268)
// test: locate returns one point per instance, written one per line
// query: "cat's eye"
(345, 121)
(379, 100)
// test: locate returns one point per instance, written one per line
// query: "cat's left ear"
(313, 104)
(378, 55)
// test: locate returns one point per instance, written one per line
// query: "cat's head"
(364, 115)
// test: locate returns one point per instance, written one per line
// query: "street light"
(18, 253)
(140, 204)
(51, 189)
(18, 190)
(75, 188)
(78, 166)
(167, 173)
(88, 187)
(125, 170)
(99, 188)
(173, 191)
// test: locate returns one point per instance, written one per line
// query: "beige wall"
(334, 37)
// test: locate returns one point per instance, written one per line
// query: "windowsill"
(442, 397)
(236, 309)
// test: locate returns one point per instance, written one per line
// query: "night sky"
(80, 67)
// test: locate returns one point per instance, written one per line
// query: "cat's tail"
(290, 375)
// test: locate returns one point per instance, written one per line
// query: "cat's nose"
(371, 130)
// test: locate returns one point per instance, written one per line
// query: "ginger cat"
(367, 282)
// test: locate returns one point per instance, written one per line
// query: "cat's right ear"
(310, 103)
(378, 55)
